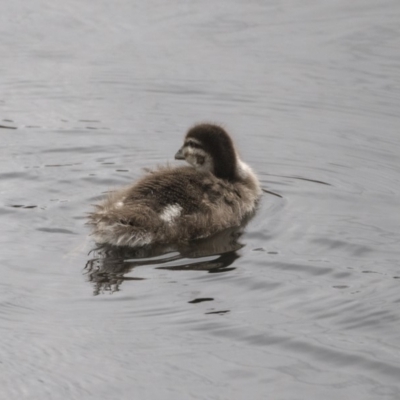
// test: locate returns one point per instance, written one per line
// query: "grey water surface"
(305, 304)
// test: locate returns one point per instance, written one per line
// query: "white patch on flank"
(170, 212)
(119, 204)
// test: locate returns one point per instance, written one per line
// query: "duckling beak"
(179, 155)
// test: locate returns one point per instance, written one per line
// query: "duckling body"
(172, 205)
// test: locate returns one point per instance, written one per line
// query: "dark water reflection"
(110, 265)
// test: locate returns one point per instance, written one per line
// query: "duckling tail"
(133, 227)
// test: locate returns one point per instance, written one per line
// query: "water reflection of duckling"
(172, 205)
(110, 265)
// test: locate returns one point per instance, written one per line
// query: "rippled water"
(305, 303)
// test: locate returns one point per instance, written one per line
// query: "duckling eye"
(195, 145)
(200, 160)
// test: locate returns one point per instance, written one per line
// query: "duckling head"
(208, 147)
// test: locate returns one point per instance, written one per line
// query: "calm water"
(305, 304)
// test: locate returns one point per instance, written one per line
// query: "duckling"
(179, 204)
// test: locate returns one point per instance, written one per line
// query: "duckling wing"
(181, 187)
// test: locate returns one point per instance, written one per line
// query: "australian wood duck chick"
(177, 204)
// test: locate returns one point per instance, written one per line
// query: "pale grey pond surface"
(305, 304)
